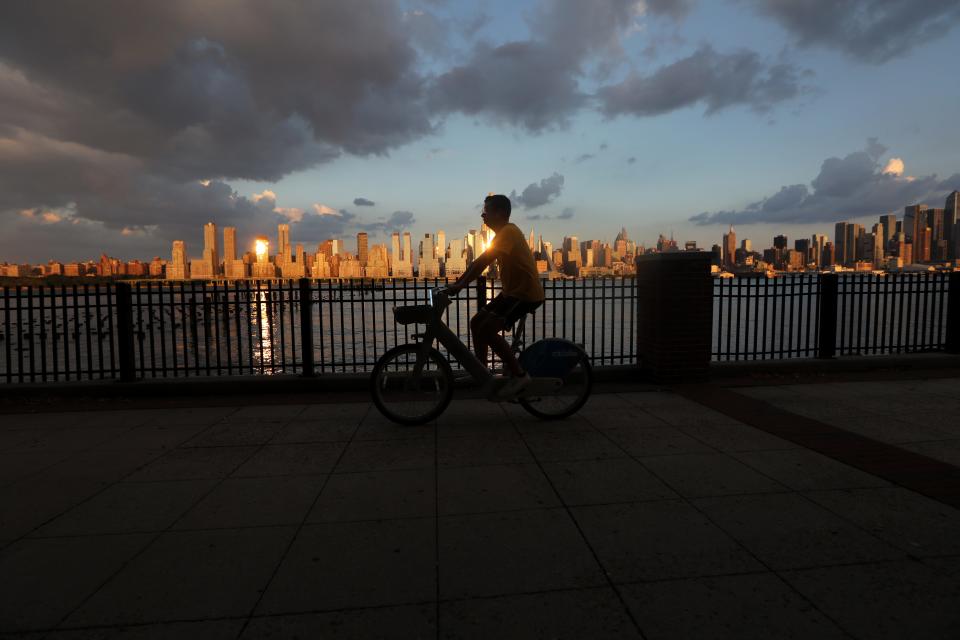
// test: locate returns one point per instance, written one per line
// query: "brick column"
(674, 316)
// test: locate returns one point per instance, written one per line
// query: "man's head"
(496, 211)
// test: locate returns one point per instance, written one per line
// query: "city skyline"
(679, 115)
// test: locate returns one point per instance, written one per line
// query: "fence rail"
(195, 328)
(147, 330)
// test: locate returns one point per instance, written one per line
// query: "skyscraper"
(177, 269)
(210, 254)
(889, 223)
(951, 224)
(730, 248)
(428, 266)
(913, 220)
(283, 243)
(571, 256)
(229, 243)
(362, 255)
(852, 243)
(440, 248)
(840, 243)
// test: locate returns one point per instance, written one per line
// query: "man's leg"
(480, 341)
(487, 328)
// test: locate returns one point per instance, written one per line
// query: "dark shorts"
(510, 309)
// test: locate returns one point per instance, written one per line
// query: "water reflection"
(263, 322)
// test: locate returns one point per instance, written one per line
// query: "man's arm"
(474, 271)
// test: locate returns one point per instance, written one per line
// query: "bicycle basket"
(413, 314)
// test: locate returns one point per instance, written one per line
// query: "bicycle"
(413, 383)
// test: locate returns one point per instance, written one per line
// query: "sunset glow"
(260, 247)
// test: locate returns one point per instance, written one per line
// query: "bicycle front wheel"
(557, 358)
(411, 387)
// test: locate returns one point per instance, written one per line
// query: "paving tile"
(14, 466)
(802, 470)
(737, 437)
(254, 502)
(43, 580)
(414, 622)
(494, 488)
(787, 531)
(377, 427)
(517, 552)
(314, 431)
(129, 507)
(187, 416)
(201, 630)
(69, 439)
(574, 444)
(689, 414)
(885, 600)
(344, 565)
(709, 474)
(345, 411)
(103, 467)
(945, 450)
(576, 614)
(267, 413)
(475, 450)
(749, 606)
(188, 575)
(377, 495)
(632, 417)
(888, 429)
(152, 437)
(30, 504)
(655, 441)
(189, 464)
(910, 521)
(388, 455)
(235, 434)
(605, 481)
(658, 540)
(292, 459)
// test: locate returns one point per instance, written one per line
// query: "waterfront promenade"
(705, 511)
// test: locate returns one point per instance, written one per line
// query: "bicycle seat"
(413, 314)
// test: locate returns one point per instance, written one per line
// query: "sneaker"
(514, 387)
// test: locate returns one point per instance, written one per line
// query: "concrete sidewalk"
(648, 515)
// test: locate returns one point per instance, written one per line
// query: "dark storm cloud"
(869, 30)
(120, 109)
(845, 188)
(717, 80)
(363, 202)
(538, 194)
(534, 83)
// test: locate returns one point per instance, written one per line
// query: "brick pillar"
(674, 316)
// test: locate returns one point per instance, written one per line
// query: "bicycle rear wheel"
(557, 358)
(411, 392)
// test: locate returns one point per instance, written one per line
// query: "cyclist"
(521, 291)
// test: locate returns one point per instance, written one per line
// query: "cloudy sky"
(125, 125)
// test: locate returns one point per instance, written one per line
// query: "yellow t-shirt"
(518, 270)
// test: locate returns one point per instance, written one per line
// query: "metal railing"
(147, 330)
(824, 315)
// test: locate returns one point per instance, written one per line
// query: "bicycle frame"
(438, 330)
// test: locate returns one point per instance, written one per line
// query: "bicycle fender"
(550, 358)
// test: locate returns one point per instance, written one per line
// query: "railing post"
(481, 292)
(306, 328)
(674, 316)
(125, 346)
(953, 313)
(827, 322)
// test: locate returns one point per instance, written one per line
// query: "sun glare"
(260, 246)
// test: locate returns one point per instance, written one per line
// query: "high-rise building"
(852, 243)
(922, 246)
(746, 245)
(177, 268)
(729, 248)
(362, 250)
(571, 256)
(210, 254)
(818, 241)
(284, 250)
(951, 225)
(229, 243)
(914, 219)
(878, 251)
(378, 262)
(934, 220)
(440, 246)
(840, 243)
(456, 262)
(889, 223)
(428, 266)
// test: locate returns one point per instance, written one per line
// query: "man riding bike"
(521, 292)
